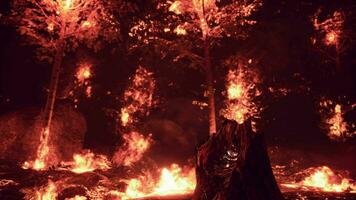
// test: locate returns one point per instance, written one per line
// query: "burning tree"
(331, 30)
(55, 27)
(201, 21)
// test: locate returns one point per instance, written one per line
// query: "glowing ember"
(83, 73)
(337, 124)
(180, 31)
(240, 92)
(88, 161)
(48, 193)
(331, 28)
(42, 153)
(172, 181)
(77, 197)
(86, 24)
(331, 38)
(138, 97)
(324, 179)
(337, 127)
(135, 145)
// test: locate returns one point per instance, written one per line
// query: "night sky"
(281, 44)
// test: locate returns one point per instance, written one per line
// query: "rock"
(20, 134)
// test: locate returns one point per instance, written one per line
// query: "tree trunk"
(47, 115)
(234, 164)
(53, 87)
(337, 59)
(210, 86)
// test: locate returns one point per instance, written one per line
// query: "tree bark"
(53, 87)
(210, 86)
(337, 59)
(234, 164)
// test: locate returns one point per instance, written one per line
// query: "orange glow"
(42, 153)
(50, 27)
(331, 27)
(86, 24)
(324, 179)
(83, 73)
(88, 162)
(332, 116)
(67, 5)
(180, 31)
(47, 193)
(135, 145)
(331, 38)
(125, 117)
(138, 97)
(77, 197)
(240, 92)
(88, 91)
(176, 7)
(172, 181)
(336, 122)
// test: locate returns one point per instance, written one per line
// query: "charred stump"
(234, 164)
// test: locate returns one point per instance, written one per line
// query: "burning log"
(234, 164)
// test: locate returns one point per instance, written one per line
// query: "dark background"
(286, 58)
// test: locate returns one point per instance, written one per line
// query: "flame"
(88, 162)
(50, 27)
(83, 73)
(88, 91)
(337, 124)
(138, 97)
(180, 30)
(86, 24)
(40, 162)
(331, 27)
(324, 179)
(337, 127)
(135, 145)
(77, 197)
(172, 181)
(67, 5)
(176, 7)
(331, 38)
(48, 193)
(240, 93)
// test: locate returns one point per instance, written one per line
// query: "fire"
(172, 181)
(331, 27)
(324, 179)
(48, 193)
(88, 161)
(331, 38)
(135, 145)
(138, 97)
(86, 24)
(83, 73)
(337, 127)
(77, 197)
(180, 30)
(240, 93)
(67, 5)
(337, 124)
(40, 162)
